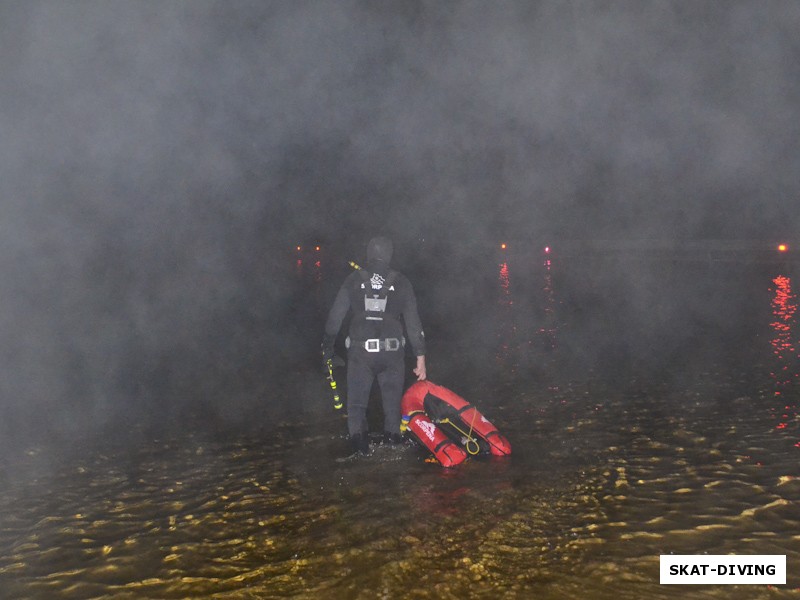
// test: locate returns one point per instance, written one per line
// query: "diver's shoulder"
(400, 278)
(353, 278)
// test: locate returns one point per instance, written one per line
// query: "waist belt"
(377, 344)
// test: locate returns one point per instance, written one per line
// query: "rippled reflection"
(786, 369)
(526, 316)
(605, 477)
(318, 271)
(506, 331)
(784, 306)
(548, 329)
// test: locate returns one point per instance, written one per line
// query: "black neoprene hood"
(380, 249)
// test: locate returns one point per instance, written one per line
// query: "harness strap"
(387, 283)
(376, 300)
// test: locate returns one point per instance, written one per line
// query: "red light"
(782, 247)
(547, 249)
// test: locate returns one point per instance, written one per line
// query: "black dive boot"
(360, 443)
(392, 439)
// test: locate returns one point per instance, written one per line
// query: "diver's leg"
(391, 380)
(359, 384)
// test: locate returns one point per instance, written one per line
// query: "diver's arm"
(420, 371)
(416, 336)
(334, 322)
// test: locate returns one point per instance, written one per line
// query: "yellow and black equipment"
(337, 401)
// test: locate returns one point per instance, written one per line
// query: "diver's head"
(379, 252)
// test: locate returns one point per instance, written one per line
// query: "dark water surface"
(652, 404)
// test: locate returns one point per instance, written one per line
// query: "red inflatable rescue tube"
(446, 451)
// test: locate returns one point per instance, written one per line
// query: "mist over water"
(159, 162)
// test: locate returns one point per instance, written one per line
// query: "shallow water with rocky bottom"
(597, 488)
(608, 472)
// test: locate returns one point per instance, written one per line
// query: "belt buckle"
(392, 344)
(373, 345)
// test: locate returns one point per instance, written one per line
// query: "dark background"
(159, 161)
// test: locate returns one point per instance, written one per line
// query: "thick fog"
(158, 160)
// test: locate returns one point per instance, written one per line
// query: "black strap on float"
(444, 442)
(490, 435)
(471, 444)
(464, 409)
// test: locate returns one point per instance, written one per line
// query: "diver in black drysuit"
(378, 297)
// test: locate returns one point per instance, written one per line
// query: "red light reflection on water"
(526, 317)
(785, 374)
(318, 271)
(784, 307)
(548, 330)
(505, 285)
(507, 328)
